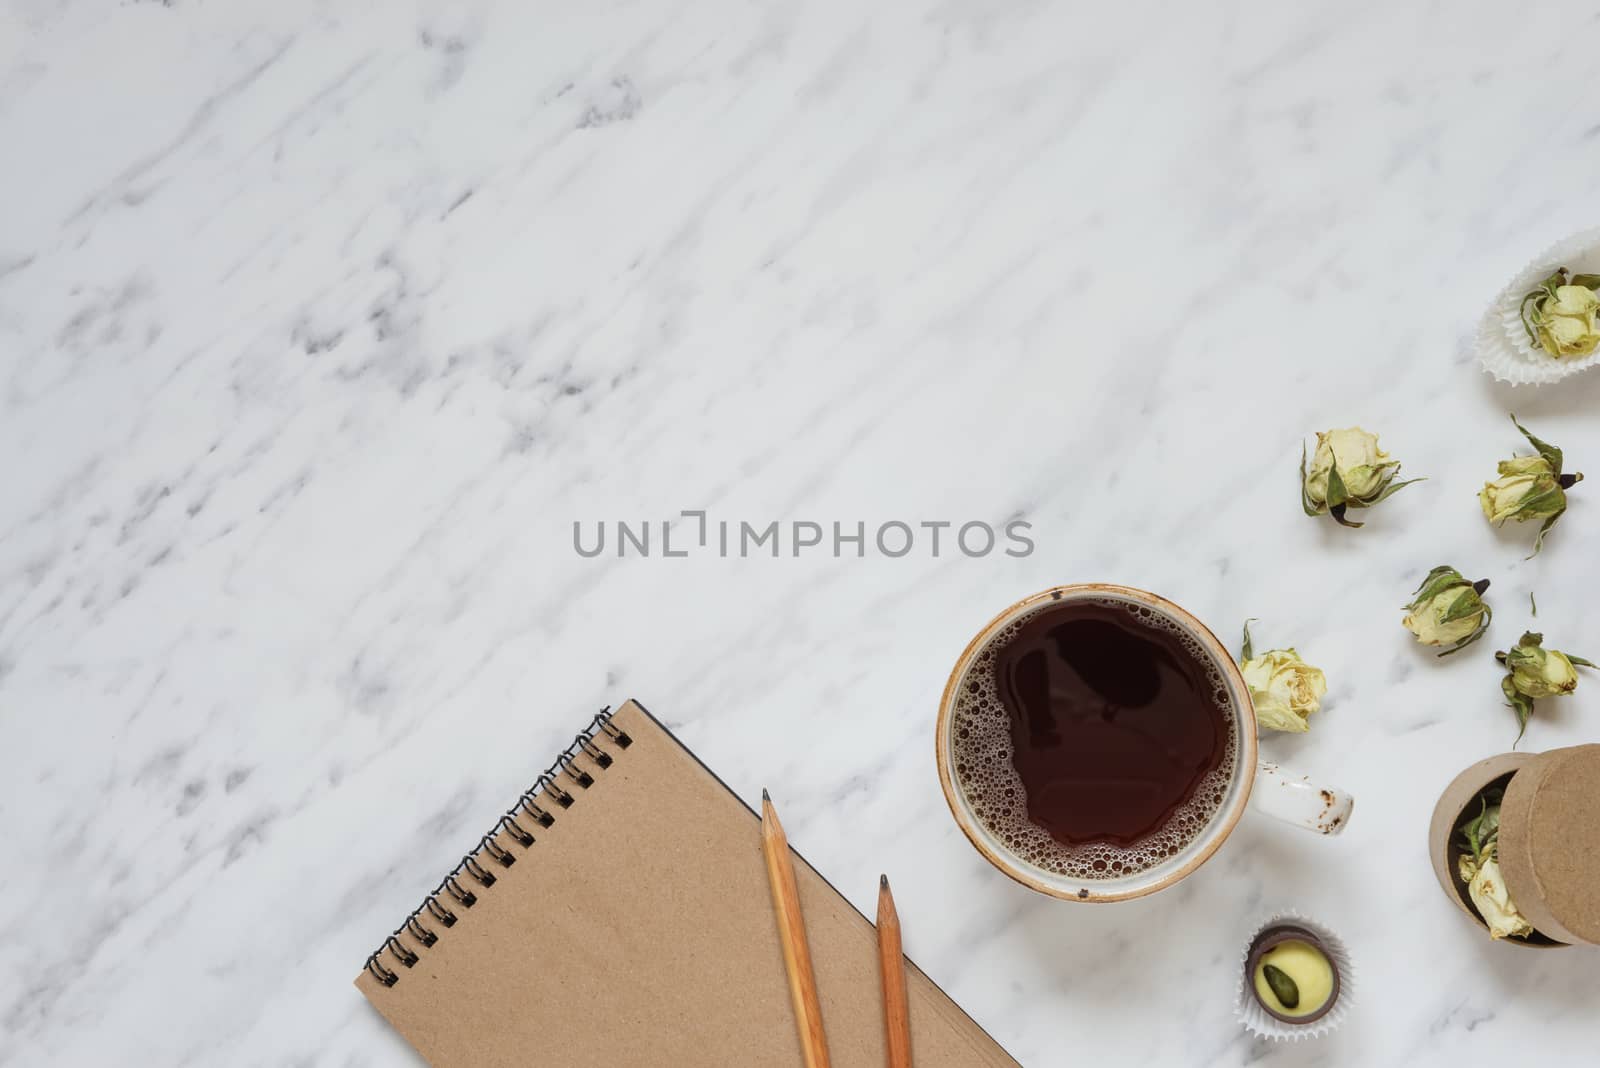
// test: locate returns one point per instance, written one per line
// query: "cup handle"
(1295, 799)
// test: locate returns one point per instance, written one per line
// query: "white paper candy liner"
(1258, 1021)
(1502, 343)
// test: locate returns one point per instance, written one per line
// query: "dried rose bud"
(1448, 610)
(1534, 671)
(1529, 487)
(1559, 315)
(1284, 688)
(1487, 889)
(1348, 470)
(1479, 867)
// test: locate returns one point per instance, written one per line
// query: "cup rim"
(1026, 874)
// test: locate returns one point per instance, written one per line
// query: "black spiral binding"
(532, 811)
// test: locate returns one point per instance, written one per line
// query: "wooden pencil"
(892, 962)
(792, 934)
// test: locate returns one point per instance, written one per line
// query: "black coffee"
(1113, 723)
(1094, 738)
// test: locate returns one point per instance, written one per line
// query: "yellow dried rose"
(1529, 487)
(1559, 314)
(1479, 867)
(1487, 889)
(1448, 610)
(1347, 470)
(1533, 671)
(1284, 689)
(1526, 489)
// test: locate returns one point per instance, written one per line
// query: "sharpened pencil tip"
(883, 882)
(766, 798)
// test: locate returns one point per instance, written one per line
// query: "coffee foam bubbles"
(981, 753)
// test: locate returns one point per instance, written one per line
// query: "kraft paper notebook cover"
(619, 915)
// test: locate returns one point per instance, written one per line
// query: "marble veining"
(321, 324)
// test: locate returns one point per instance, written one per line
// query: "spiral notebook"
(619, 915)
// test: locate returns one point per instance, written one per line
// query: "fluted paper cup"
(1502, 343)
(1258, 1021)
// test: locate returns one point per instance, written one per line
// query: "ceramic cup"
(1275, 791)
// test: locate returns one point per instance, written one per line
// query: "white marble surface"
(320, 324)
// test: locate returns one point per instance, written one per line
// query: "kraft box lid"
(1549, 848)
